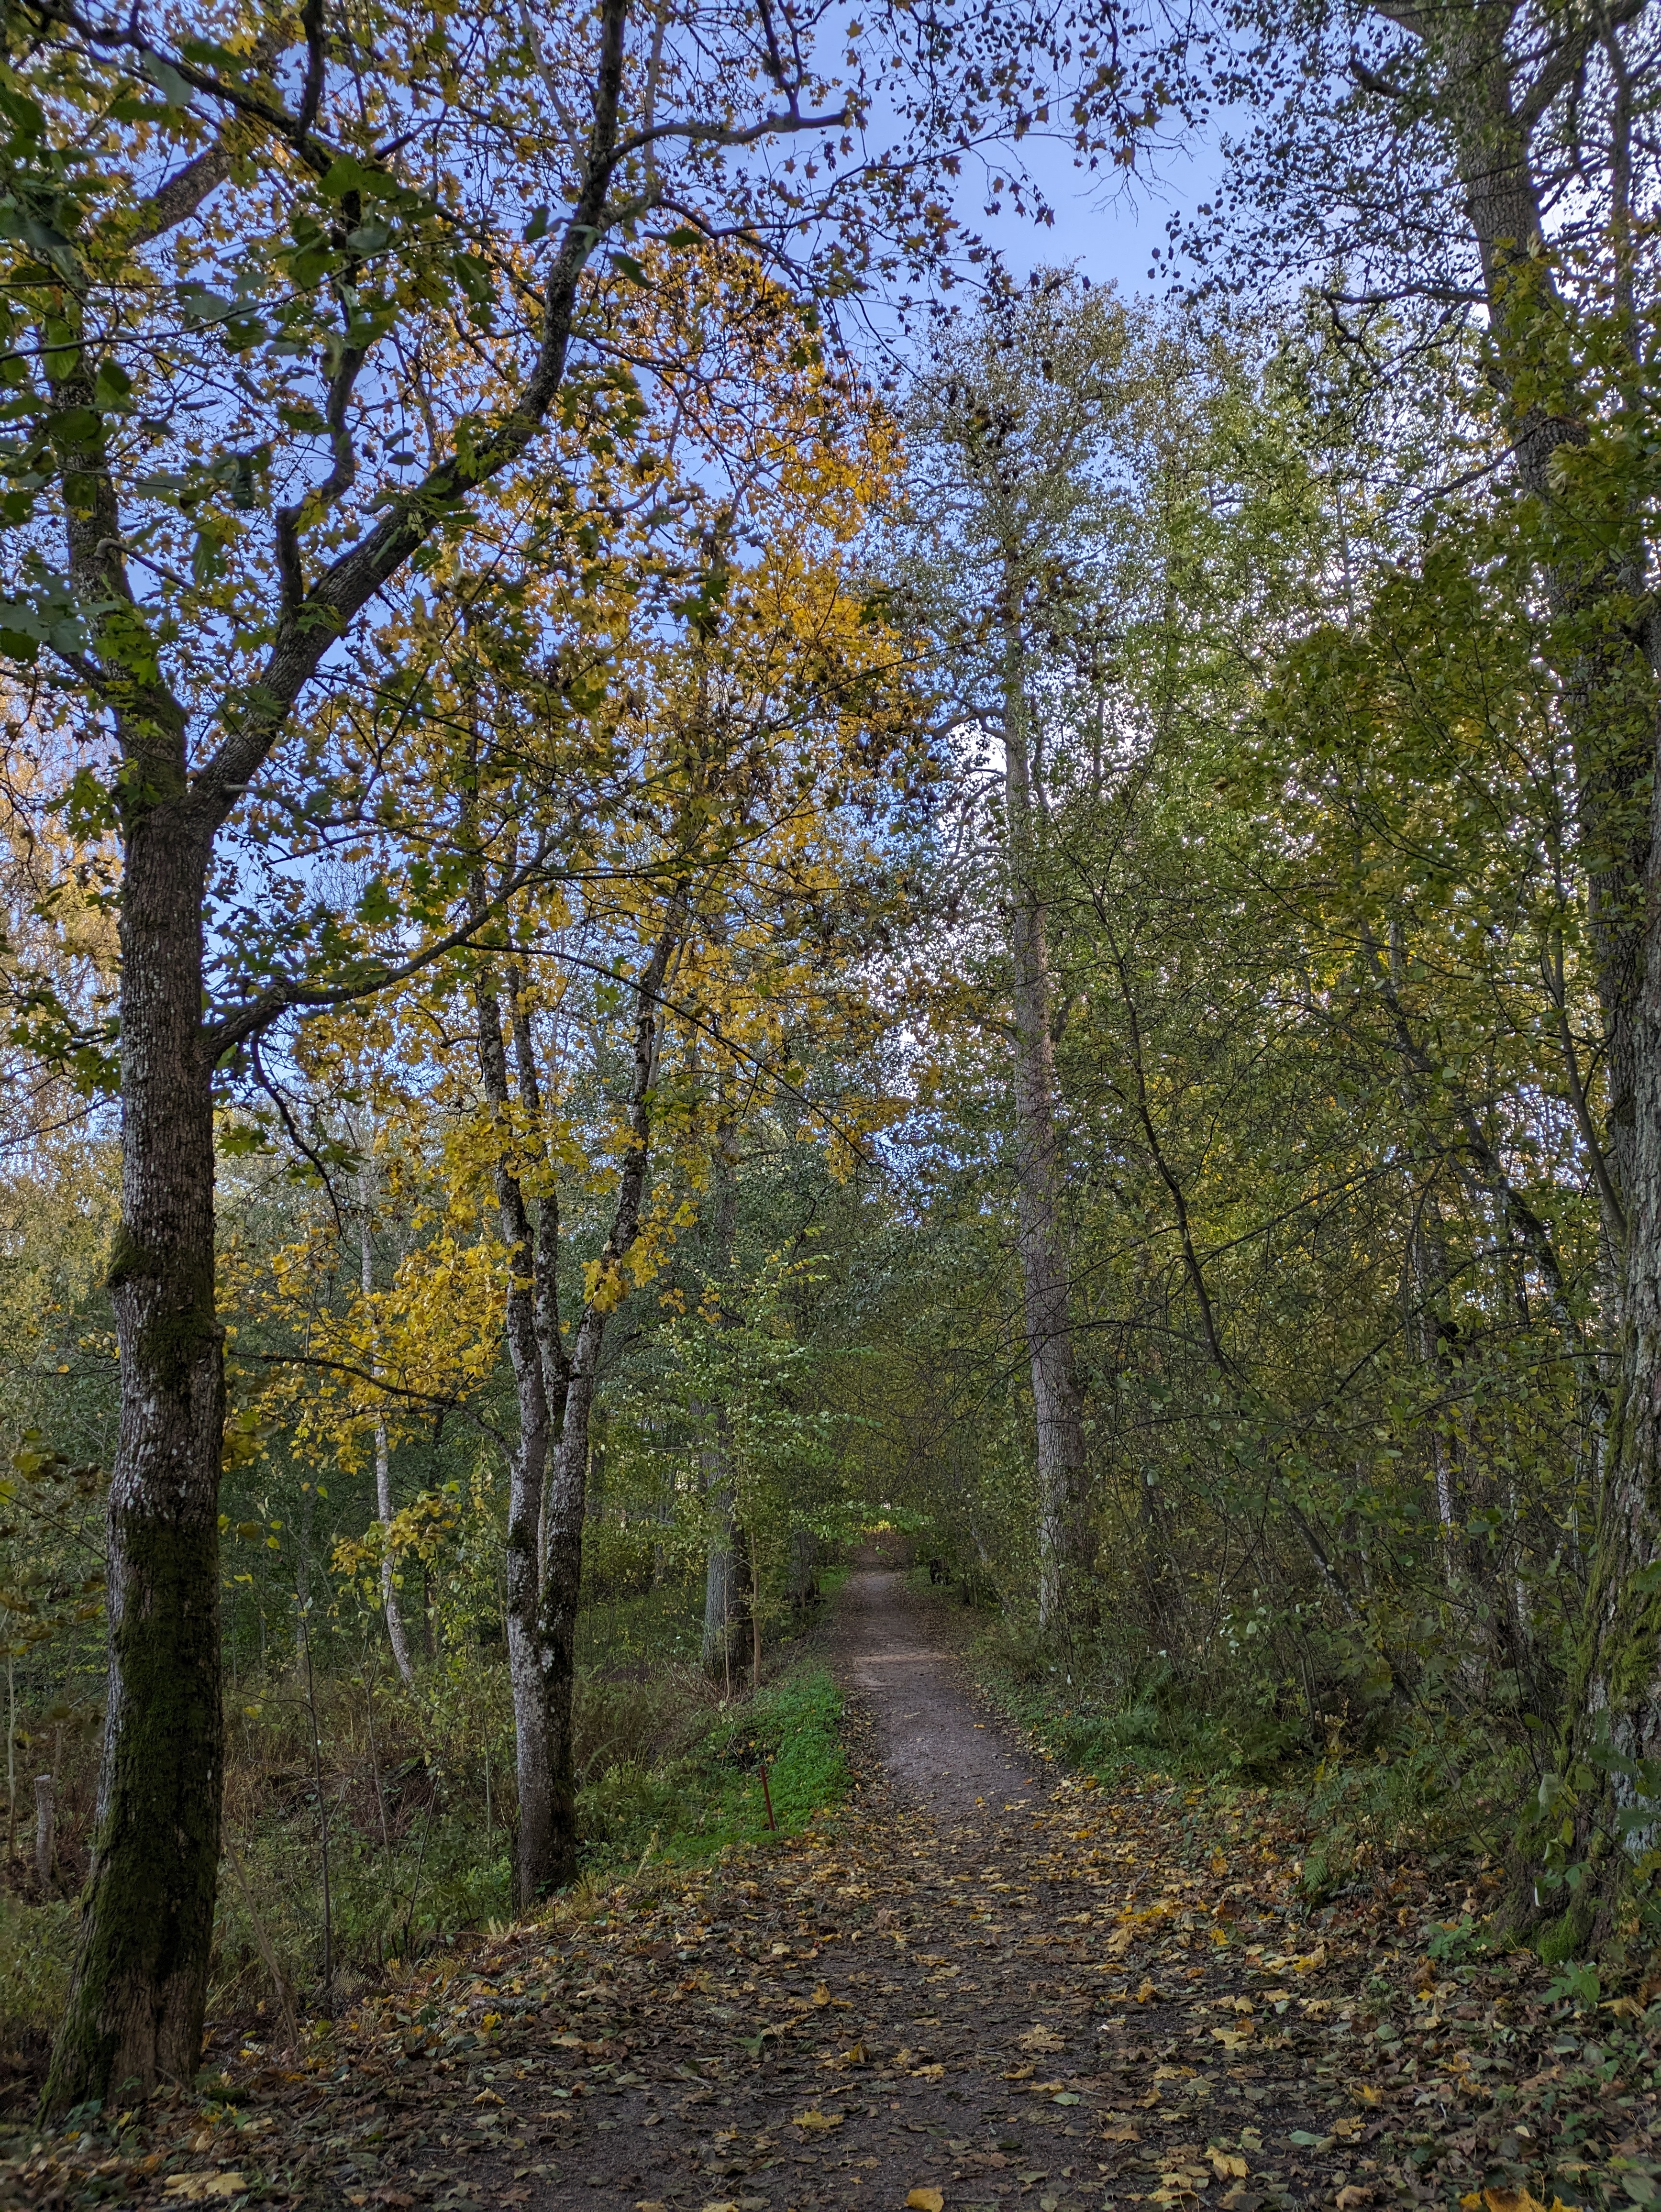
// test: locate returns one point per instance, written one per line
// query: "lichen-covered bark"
(136, 2003)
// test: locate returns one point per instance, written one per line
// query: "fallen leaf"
(816, 2122)
(935, 2073)
(1148, 1994)
(198, 2188)
(1227, 2165)
(925, 2200)
(1120, 2134)
(821, 1995)
(1350, 2196)
(1042, 2038)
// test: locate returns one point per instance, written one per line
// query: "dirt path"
(966, 1989)
(940, 1751)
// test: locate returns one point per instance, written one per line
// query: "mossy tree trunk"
(135, 2004)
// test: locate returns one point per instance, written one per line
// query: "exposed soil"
(971, 1988)
(892, 1648)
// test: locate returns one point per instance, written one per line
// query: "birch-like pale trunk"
(726, 1569)
(383, 1458)
(535, 1866)
(1065, 1546)
(568, 1484)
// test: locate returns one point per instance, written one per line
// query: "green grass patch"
(711, 1797)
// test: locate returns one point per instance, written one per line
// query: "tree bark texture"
(568, 1486)
(726, 1590)
(535, 1867)
(1065, 1543)
(726, 1607)
(135, 2007)
(1605, 649)
(383, 1465)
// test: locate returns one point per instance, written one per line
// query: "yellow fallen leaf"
(1227, 2165)
(1350, 2196)
(1041, 2038)
(1148, 1994)
(925, 2200)
(1367, 2093)
(821, 1995)
(816, 2122)
(1219, 1863)
(1516, 2200)
(1120, 2134)
(1311, 1960)
(935, 2073)
(720, 2204)
(198, 2188)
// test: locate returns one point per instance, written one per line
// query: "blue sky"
(1108, 230)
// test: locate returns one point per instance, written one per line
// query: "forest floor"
(978, 1983)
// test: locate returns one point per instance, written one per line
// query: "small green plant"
(1577, 1984)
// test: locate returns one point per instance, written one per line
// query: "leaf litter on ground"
(1096, 1997)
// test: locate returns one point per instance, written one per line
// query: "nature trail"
(967, 1987)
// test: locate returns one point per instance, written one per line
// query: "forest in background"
(640, 933)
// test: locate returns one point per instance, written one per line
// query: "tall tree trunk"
(726, 1569)
(1065, 1547)
(1605, 648)
(383, 1463)
(726, 1586)
(537, 1867)
(136, 2003)
(568, 1488)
